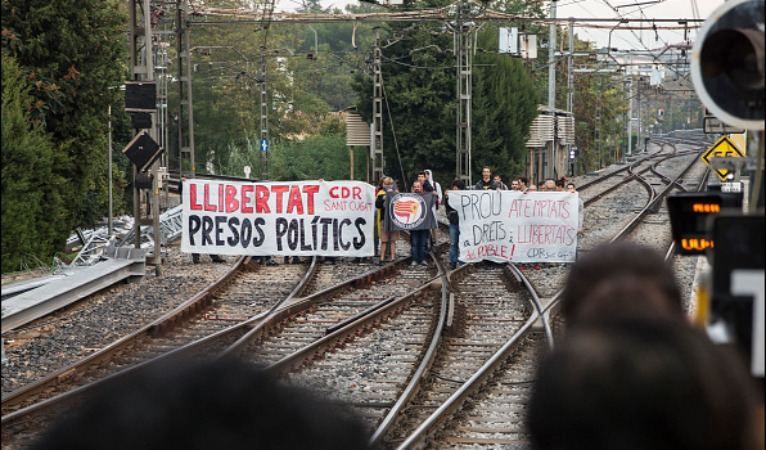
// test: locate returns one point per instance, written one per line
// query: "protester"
(454, 224)
(549, 185)
(388, 236)
(531, 188)
(195, 256)
(418, 238)
(223, 404)
(422, 178)
(623, 279)
(486, 181)
(379, 192)
(437, 201)
(515, 184)
(523, 183)
(499, 185)
(636, 384)
(437, 188)
(572, 189)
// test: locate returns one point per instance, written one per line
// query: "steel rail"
(163, 324)
(190, 307)
(456, 400)
(466, 389)
(388, 308)
(425, 363)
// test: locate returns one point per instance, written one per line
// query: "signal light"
(727, 64)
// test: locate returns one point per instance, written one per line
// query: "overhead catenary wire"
(393, 132)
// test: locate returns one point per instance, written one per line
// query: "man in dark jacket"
(486, 182)
(195, 256)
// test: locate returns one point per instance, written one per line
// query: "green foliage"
(33, 205)
(72, 52)
(319, 156)
(419, 79)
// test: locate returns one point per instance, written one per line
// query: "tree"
(71, 51)
(419, 79)
(33, 205)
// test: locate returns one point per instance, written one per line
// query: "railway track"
(487, 410)
(377, 346)
(34, 405)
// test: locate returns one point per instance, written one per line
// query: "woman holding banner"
(388, 236)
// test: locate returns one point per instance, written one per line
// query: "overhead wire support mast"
(268, 10)
(376, 138)
(185, 116)
(550, 166)
(463, 38)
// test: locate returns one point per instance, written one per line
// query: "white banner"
(328, 218)
(511, 226)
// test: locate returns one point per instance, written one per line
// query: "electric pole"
(376, 137)
(570, 85)
(264, 116)
(185, 109)
(463, 37)
(268, 10)
(629, 152)
(550, 167)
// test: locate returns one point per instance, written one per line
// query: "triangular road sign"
(723, 148)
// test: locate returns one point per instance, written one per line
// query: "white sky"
(582, 9)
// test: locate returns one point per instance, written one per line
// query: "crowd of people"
(386, 235)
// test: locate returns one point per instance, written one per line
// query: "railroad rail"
(489, 386)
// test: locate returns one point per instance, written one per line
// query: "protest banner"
(408, 211)
(333, 218)
(511, 226)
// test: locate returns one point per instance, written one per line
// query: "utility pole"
(264, 116)
(570, 83)
(638, 99)
(550, 167)
(630, 116)
(376, 135)
(464, 52)
(185, 108)
(268, 9)
(109, 167)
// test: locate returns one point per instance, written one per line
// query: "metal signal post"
(142, 69)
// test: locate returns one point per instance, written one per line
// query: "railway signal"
(727, 64)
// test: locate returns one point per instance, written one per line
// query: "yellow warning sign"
(740, 141)
(723, 148)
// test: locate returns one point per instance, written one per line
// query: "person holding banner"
(388, 235)
(419, 237)
(439, 196)
(572, 190)
(195, 256)
(454, 224)
(499, 183)
(486, 182)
